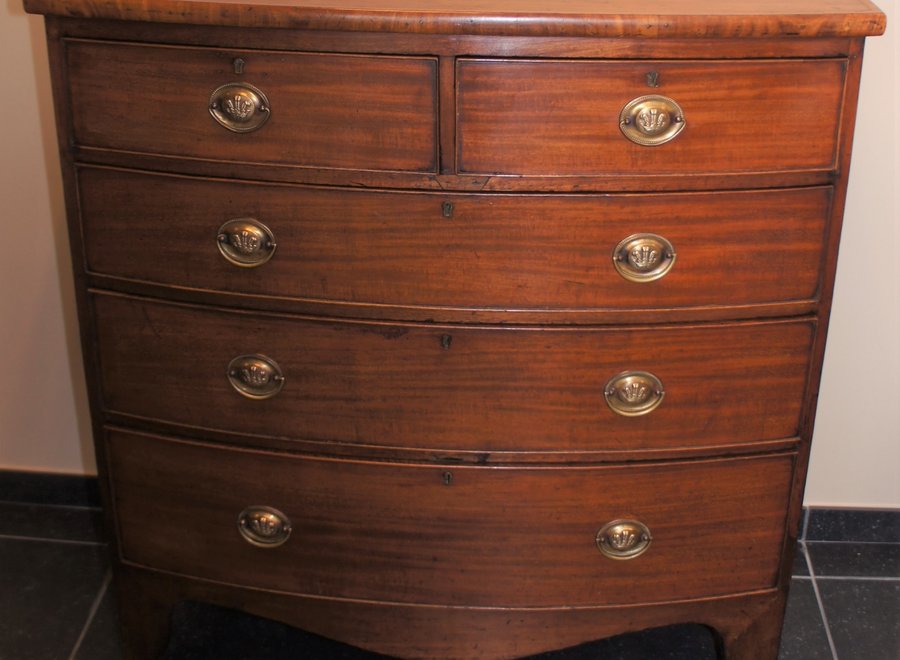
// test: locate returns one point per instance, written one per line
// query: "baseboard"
(49, 488)
(853, 525)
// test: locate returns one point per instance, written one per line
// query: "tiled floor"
(55, 600)
(845, 596)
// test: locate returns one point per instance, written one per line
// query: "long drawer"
(453, 387)
(544, 252)
(319, 110)
(474, 536)
(557, 117)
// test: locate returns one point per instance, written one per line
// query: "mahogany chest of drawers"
(471, 331)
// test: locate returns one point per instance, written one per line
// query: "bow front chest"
(471, 331)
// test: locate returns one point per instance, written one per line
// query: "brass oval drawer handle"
(255, 376)
(633, 393)
(643, 257)
(623, 539)
(651, 120)
(264, 526)
(246, 242)
(239, 107)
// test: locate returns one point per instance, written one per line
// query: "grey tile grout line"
(848, 578)
(14, 537)
(107, 579)
(854, 542)
(862, 578)
(805, 525)
(815, 586)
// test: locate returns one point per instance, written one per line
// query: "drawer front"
(462, 387)
(335, 111)
(487, 251)
(472, 536)
(563, 117)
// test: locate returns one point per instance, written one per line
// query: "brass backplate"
(651, 120)
(239, 107)
(264, 526)
(633, 393)
(255, 376)
(246, 242)
(643, 257)
(624, 539)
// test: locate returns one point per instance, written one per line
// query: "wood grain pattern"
(562, 117)
(334, 111)
(550, 253)
(574, 18)
(325, 41)
(493, 389)
(382, 112)
(447, 633)
(399, 533)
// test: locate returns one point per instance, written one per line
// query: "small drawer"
(472, 536)
(554, 117)
(311, 110)
(478, 388)
(541, 253)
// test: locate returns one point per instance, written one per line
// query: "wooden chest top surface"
(599, 18)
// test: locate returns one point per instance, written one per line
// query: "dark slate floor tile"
(46, 591)
(51, 522)
(864, 617)
(803, 636)
(102, 640)
(853, 525)
(44, 488)
(800, 567)
(855, 559)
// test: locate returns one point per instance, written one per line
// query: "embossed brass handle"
(643, 257)
(239, 107)
(623, 539)
(633, 393)
(255, 376)
(246, 242)
(264, 526)
(651, 120)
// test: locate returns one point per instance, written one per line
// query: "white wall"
(43, 412)
(44, 423)
(856, 444)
